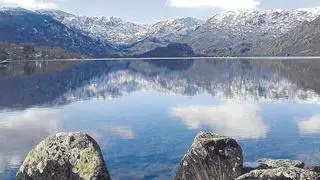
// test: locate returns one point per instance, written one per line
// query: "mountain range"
(234, 33)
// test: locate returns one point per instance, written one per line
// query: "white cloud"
(234, 120)
(30, 4)
(310, 125)
(223, 4)
(123, 131)
(19, 132)
(36, 118)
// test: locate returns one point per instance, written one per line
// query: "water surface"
(145, 114)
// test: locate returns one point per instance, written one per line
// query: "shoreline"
(77, 155)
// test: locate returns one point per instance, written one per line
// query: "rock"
(281, 173)
(313, 168)
(275, 163)
(249, 166)
(211, 157)
(65, 156)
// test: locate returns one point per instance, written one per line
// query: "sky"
(155, 10)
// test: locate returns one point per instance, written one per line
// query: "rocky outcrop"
(281, 173)
(276, 163)
(214, 157)
(65, 156)
(211, 157)
(274, 169)
(77, 156)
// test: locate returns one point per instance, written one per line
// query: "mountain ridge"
(231, 33)
(303, 40)
(24, 26)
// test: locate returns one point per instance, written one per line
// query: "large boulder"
(65, 156)
(275, 163)
(211, 157)
(281, 173)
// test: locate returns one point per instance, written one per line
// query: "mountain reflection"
(243, 80)
(236, 120)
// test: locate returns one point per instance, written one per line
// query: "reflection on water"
(235, 120)
(145, 114)
(21, 130)
(310, 125)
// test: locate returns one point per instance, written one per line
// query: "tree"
(28, 52)
(28, 49)
(3, 54)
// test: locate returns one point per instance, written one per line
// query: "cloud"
(30, 4)
(223, 4)
(310, 125)
(19, 132)
(235, 120)
(36, 118)
(123, 131)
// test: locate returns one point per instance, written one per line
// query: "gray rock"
(275, 163)
(211, 157)
(250, 166)
(281, 173)
(313, 168)
(65, 156)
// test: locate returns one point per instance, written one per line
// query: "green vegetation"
(9, 51)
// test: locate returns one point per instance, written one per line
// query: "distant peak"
(115, 19)
(250, 14)
(13, 9)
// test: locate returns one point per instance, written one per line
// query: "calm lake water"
(145, 114)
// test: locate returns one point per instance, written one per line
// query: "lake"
(145, 113)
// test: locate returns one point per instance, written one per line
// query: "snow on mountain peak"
(174, 28)
(273, 20)
(14, 10)
(222, 30)
(118, 31)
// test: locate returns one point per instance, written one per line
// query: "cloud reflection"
(236, 120)
(2, 164)
(19, 132)
(310, 125)
(123, 131)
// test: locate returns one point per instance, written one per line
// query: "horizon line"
(174, 58)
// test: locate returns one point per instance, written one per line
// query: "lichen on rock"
(275, 163)
(65, 156)
(285, 173)
(211, 157)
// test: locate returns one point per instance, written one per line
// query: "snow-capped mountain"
(24, 26)
(118, 31)
(302, 41)
(173, 30)
(224, 31)
(232, 33)
(112, 29)
(233, 25)
(269, 22)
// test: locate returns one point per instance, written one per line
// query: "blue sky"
(154, 10)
